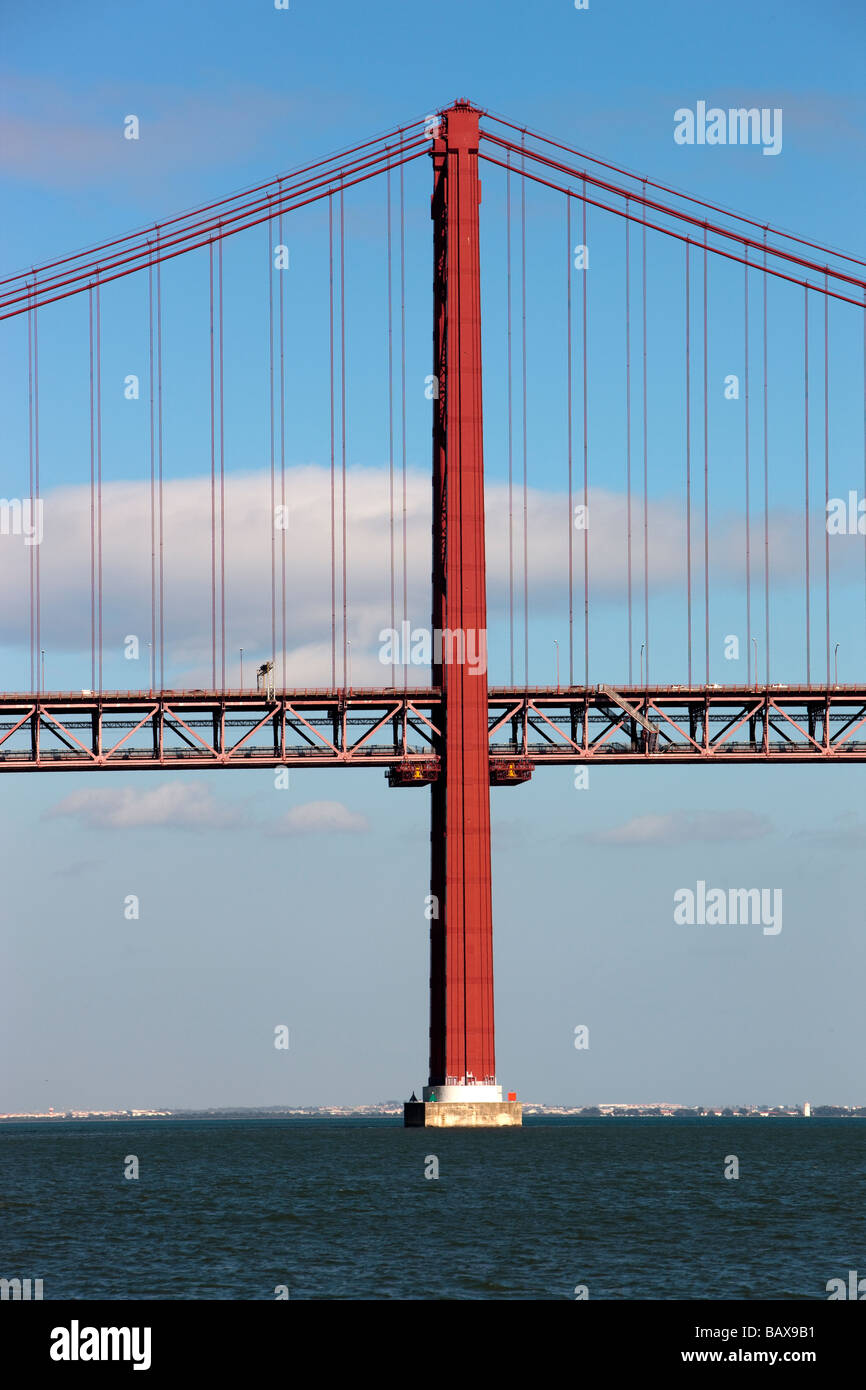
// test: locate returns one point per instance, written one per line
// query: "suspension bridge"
(685, 365)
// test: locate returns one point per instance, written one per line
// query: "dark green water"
(633, 1209)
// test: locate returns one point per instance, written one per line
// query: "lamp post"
(42, 676)
(242, 667)
(755, 640)
(556, 645)
(836, 664)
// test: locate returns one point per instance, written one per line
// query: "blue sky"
(257, 911)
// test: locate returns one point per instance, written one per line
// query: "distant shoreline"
(394, 1110)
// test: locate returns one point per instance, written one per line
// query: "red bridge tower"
(462, 1086)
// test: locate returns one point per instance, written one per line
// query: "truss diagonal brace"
(630, 709)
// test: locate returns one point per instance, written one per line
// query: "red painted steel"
(457, 736)
(461, 938)
(400, 729)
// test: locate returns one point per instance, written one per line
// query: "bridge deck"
(117, 730)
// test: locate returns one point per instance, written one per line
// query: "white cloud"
(188, 805)
(65, 567)
(315, 817)
(681, 827)
(846, 831)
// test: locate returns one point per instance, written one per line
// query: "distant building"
(807, 1110)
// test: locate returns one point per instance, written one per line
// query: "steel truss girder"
(121, 730)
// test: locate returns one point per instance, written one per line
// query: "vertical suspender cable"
(766, 471)
(525, 489)
(212, 471)
(99, 486)
(390, 296)
(585, 451)
(282, 292)
(403, 409)
(569, 387)
(343, 427)
(159, 419)
(222, 546)
(706, 467)
(748, 486)
(689, 458)
(272, 420)
(92, 500)
(827, 462)
(36, 495)
(152, 450)
(510, 382)
(806, 483)
(628, 435)
(645, 453)
(159, 377)
(333, 435)
(34, 669)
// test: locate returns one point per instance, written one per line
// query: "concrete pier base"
(443, 1114)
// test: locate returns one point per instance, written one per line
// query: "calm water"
(634, 1209)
